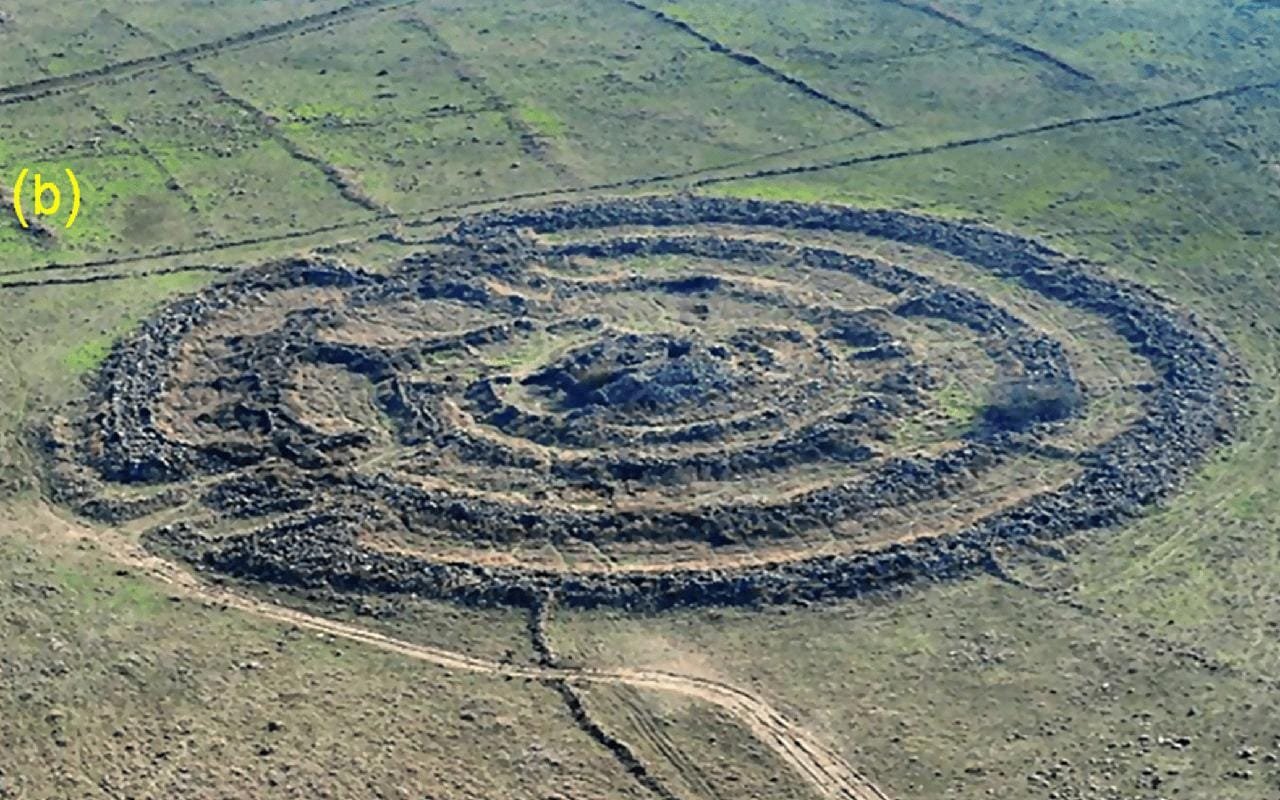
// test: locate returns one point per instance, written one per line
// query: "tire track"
(1027, 51)
(820, 766)
(829, 774)
(623, 752)
(47, 87)
(1002, 136)
(642, 720)
(575, 702)
(756, 64)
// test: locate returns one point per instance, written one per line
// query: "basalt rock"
(481, 452)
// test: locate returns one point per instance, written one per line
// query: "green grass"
(959, 406)
(543, 121)
(965, 690)
(1196, 572)
(529, 353)
(113, 676)
(89, 354)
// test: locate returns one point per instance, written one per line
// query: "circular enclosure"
(645, 403)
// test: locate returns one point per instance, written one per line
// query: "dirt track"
(800, 749)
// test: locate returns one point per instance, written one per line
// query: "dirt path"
(819, 765)
(649, 729)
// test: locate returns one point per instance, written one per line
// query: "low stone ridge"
(324, 427)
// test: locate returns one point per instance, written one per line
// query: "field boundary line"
(756, 64)
(1002, 136)
(346, 186)
(124, 132)
(1027, 51)
(450, 213)
(116, 276)
(531, 143)
(47, 87)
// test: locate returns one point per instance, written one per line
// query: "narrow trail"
(819, 765)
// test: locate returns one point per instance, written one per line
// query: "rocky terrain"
(418, 432)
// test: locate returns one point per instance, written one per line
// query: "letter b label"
(41, 187)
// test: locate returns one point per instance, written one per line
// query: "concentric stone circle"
(640, 403)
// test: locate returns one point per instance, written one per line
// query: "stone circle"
(645, 403)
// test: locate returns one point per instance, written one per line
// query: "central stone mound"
(646, 403)
(638, 374)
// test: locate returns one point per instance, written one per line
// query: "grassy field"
(1142, 134)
